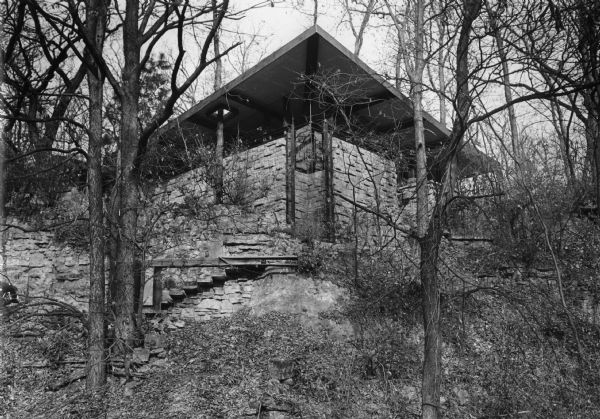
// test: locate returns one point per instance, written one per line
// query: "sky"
(278, 25)
(275, 26)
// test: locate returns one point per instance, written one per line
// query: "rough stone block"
(231, 288)
(235, 299)
(226, 306)
(188, 314)
(209, 304)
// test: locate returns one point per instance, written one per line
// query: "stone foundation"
(40, 267)
(283, 292)
(220, 300)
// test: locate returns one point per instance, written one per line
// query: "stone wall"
(273, 291)
(183, 218)
(310, 198)
(253, 179)
(39, 267)
(219, 300)
(369, 180)
(259, 173)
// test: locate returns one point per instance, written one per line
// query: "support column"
(290, 174)
(219, 160)
(328, 171)
(157, 288)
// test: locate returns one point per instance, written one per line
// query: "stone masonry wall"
(254, 183)
(182, 221)
(219, 300)
(310, 197)
(363, 177)
(39, 267)
(254, 179)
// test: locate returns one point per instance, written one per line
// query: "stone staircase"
(209, 292)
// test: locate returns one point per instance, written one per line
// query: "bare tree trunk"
(442, 57)
(3, 134)
(430, 242)
(431, 379)
(96, 376)
(589, 48)
(564, 142)
(430, 388)
(220, 134)
(517, 148)
(128, 191)
(217, 48)
(442, 87)
(592, 133)
(398, 70)
(364, 22)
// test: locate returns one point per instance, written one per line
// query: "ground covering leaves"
(220, 369)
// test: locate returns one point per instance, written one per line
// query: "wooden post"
(157, 288)
(290, 174)
(328, 170)
(219, 159)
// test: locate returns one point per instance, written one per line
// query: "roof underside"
(277, 89)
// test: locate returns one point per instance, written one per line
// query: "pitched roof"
(260, 98)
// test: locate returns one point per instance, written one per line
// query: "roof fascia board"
(363, 66)
(250, 72)
(221, 92)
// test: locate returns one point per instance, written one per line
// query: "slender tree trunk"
(517, 148)
(128, 192)
(442, 88)
(217, 48)
(398, 68)
(220, 134)
(564, 142)
(3, 137)
(96, 376)
(430, 388)
(431, 379)
(430, 242)
(592, 133)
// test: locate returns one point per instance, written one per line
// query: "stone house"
(308, 144)
(311, 142)
(324, 132)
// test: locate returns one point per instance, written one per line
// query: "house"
(309, 141)
(328, 134)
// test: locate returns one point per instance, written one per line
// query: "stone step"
(204, 280)
(219, 278)
(177, 293)
(190, 288)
